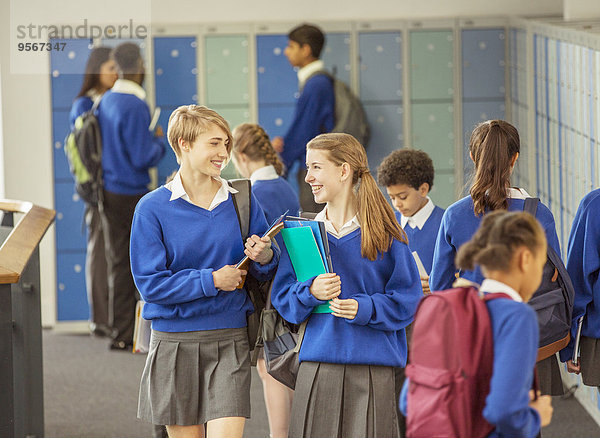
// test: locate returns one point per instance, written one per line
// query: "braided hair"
(252, 140)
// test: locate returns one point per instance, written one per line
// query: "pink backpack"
(451, 360)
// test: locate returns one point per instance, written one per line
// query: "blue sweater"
(423, 240)
(175, 247)
(275, 197)
(387, 290)
(314, 115)
(583, 265)
(129, 149)
(459, 223)
(80, 105)
(515, 334)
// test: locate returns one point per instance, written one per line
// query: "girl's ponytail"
(493, 146)
(252, 140)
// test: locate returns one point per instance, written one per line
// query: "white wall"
(581, 9)
(26, 113)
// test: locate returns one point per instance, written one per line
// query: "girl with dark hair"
(100, 75)
(494, 147)
(510, 249)
(350, 359)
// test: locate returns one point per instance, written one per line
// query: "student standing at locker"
(100, 76)
(348, 382)
(407, 176)
(315, 108)
(510, 248)
(129, 150)
(185, 241)
(255, 158)
(494, 148)
(583, 265)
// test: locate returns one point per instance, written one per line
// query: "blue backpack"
(553, 301)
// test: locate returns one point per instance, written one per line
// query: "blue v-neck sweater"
(387, 290)
(459, 223)
(276, 196)
(423, 240)
(175, 247)
(583, 265)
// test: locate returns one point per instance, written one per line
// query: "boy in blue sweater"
(129, 150)
(407, 175)
(315, 108)
(350, 359)
(511, 250)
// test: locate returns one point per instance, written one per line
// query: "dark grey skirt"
(549, 376)
(345, 401)
(194, 377)
(590, 361)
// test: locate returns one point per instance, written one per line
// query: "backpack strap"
(318, 72)
(530, 206)
(241, 201)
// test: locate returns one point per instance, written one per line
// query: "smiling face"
(208, 154)
(408, 200)
(324, 176)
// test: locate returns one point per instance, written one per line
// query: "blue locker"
(66, 69)
(483, 58)
(275, 119)
(72, 304)
(69, 218)
(277, 80)
(386, 131)
(168, 164)
(380, 66)
(473, 114)
(175, 70)
(60, 129)
(336, 55)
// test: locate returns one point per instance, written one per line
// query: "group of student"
(185, 243)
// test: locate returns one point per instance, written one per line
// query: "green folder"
(305, 256)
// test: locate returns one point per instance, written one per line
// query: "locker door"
(227, 80)
(380, 66)
(277, 80)
(69, 218)
(431, 65)
(483, 57)
(336, 55)
(433, 132)
(175, 70)
(67, 68)
(72, 304)
(386, 131)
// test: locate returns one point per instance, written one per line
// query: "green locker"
(433, 132)
(442, 193)
(227, 80)
(431, 65)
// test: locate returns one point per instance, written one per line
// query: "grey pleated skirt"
(590, 361)
(194, 377)
(345, 401)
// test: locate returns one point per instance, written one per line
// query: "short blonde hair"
(189, 121)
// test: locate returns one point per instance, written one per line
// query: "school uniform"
(274, 193)
(198, 367)
(96, 269)
(129, 150)
(421, 230)
(458, 225)
(583, 265)
(344, 386)
(515, 335)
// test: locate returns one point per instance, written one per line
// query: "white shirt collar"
(126, 86)
(493, 287)
(517, 193)
(420, 217)
(178, 191)
(347, 228)
(264, 174)
(305, 72)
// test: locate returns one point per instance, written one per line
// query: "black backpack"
(553, 301)
(257, 290)
(83, 148)
(350, 116)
